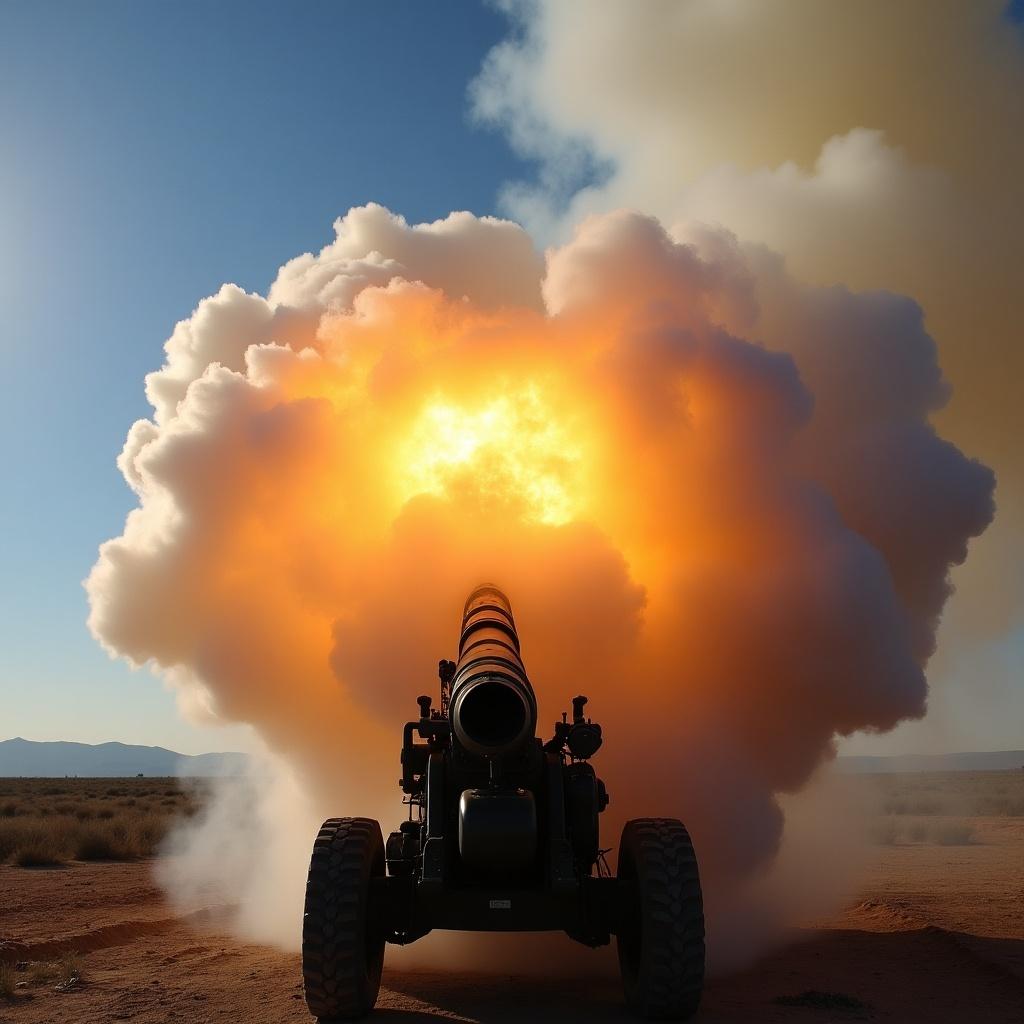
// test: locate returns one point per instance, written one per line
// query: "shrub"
(883, 832)
(1002, 806)
(36, 855)
(147, 833)
(66, 971)
(97, 844)
(69, 968)
(40, 972)
(954, 833)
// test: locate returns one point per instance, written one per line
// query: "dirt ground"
(936, 935)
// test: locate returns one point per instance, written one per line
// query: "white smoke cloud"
(876, 145)
(712, 493)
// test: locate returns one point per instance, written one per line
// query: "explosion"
(508, 445)
(713, 495)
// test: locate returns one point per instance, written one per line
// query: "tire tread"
(668, 982)
(340, 981)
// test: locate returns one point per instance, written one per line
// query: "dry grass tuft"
(813, 999)
(41, 971)
(37, 856)
(100, 844)
(65, 971)
(953, 833)
(7, 981)
(69, 970)
(883, 831)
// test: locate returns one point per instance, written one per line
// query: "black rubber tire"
(342, 946)
(661, 950)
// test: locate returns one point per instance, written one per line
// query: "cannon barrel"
(493, 706)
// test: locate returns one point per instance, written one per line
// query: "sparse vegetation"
(36, 855)
(41, 971)
(884, 831)
(69, 971)
(892, 830)
(47, 822)
(940, 809)
(949, 794)
(65, 971)
(7, 981)
(953, 833)
(825, 1001)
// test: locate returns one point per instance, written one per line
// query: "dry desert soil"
(936, 935)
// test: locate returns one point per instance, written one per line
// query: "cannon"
(501, 834)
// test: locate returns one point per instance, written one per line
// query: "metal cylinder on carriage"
(493, 706)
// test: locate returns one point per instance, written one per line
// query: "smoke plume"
(875, 144)
(713, 494)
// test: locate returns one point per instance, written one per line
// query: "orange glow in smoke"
(659, 496)
(509, 447)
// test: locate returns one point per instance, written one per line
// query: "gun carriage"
(502, 834)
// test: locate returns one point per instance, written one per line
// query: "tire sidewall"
(635, 967)
(372, 950)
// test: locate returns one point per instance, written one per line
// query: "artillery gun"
(502, 834)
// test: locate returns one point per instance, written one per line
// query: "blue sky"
(148, 153)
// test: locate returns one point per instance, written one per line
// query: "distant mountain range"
(109, 760)
(972, 761)
(119, 760)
